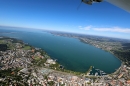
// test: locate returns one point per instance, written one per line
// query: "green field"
(1, 41)
(27, 48)
(37, 58)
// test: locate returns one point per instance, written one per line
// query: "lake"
(69, 52)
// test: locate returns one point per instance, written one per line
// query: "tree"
(51, 83)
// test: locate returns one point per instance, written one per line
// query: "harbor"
(97, 72)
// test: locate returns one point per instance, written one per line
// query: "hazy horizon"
(102, 18)
(28, 29)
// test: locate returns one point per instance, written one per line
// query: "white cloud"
(113, 29)
(106, 29)
(85, 28)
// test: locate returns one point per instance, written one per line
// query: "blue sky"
(102, 19)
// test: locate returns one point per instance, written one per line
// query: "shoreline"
(42, 51)
(50, 57)
(106, 51)
(94, 46)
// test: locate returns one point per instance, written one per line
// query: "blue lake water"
(69, 52)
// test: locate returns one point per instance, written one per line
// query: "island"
(24, 65)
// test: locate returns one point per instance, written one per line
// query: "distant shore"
(72, 36)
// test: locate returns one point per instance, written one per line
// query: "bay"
(69, 52)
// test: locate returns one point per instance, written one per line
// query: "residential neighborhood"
(22, 65)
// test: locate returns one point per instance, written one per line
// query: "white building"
(50, 61)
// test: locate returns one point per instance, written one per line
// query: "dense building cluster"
(26, 66)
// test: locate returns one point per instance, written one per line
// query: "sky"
(102, 18)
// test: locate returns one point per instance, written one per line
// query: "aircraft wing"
(124, 4)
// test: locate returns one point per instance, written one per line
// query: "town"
(24, 65)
